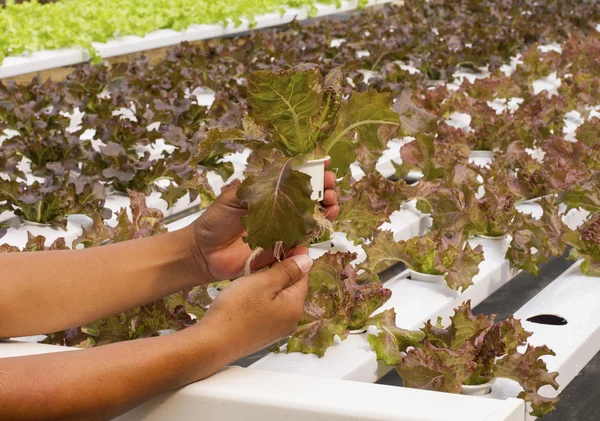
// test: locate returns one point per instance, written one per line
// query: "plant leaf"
(288, 100)
(530, 371)
(279, 205)
(440, 369)
(392, 342)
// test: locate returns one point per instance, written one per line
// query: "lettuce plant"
(471, 350)
(336, 303)
(144, 222)
(461, 202)
(366, 204)
(534, 240)
(434, 153)
(435, 253)
(70, 21)
(295, 115)
(41, 129)
(36, 243)
(52, 200)
(586, 246)
(564, 165)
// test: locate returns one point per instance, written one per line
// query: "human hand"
(218, 234)
(257, 310)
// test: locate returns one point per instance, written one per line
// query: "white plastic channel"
(415, 302)
(243, 394)
(574, 297)
(50, 59)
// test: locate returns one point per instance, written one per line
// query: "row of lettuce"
(162, 97)
(48, 25)
(299, 114)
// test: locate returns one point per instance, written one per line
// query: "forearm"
(101, 383)
(48, 291)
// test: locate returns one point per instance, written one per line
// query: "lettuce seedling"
(335, 304)
(36, 243)
(365, 205)
(471, 350)
(534, 240)
(55, 198)
(43, 138)
(564, 165)
(586, 245)
(435, 253)
(144, 222)
(294, 116)
(458, 204)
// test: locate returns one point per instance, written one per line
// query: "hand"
(257, 310)
(220, 248)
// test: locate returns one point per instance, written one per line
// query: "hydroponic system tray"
(506, 122)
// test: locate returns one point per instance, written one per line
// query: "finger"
(267, 257)
(332, 212)
(330, 198)
(228, 196)
(264, 259)
(327, 163)
(295, 251)
(294, 297)
(227, 204)
(289, 271)
(329, 181)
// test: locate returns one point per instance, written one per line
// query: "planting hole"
(548, 319)
(357, 331)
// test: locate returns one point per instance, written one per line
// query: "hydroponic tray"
(256, 394)
(50, 59)
(251, 391)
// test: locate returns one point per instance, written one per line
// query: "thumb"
(289, 271)
(228, 196)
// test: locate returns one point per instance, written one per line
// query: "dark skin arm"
(99, 282)
(103, 382)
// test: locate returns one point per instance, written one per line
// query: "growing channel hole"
(548, 319)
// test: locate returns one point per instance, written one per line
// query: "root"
(324, 225)
(279, 251)
(257, 251)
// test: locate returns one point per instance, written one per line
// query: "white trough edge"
(243, 394)
(50, 59)
(415, 302)
(574, 297)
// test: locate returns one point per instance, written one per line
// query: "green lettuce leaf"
(288, 101)
(392, 342)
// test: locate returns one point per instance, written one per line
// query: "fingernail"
(304, 262)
